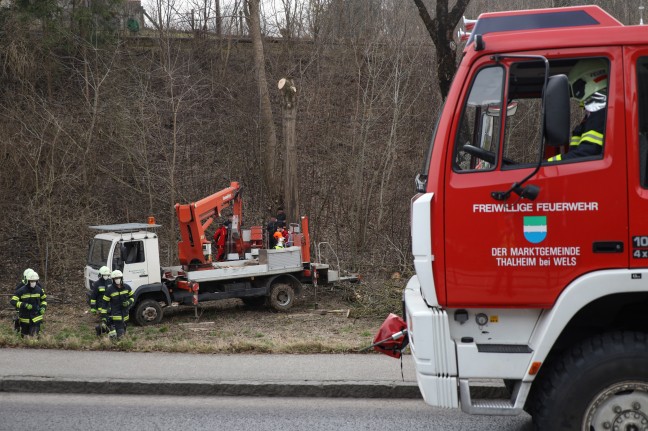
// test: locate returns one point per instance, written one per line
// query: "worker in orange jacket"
(279, 234)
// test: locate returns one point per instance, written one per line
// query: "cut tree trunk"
(290, 176)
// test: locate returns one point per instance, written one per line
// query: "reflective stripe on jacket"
(587, 139)
(97, 291)
(26, 295)
(114, 299)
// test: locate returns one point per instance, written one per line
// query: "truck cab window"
(588, 82)
(133, 252)
(98, 252)
(642, 101)
(477, 143)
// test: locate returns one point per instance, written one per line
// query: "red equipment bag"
(392, 337)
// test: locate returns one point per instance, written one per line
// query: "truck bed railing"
(318, 251)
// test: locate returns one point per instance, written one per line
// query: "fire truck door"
(521, 252)
(637, 147)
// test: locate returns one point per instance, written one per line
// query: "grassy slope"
(225, 327)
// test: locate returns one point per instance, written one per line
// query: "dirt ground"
(327, 321)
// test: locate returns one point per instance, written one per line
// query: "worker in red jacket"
(220, 238)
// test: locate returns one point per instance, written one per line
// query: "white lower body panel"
(434, 357)
(438, 391)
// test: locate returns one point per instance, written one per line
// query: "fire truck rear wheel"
(282, 296)
(148, 312)
(600, 384)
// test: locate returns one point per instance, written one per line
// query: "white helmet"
(26, 274)
(104, 270)
(587, 77)
(116, 274)
(32, 276)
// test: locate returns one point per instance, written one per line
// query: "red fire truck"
(530, 229)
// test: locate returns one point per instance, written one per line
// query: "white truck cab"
(131, 248)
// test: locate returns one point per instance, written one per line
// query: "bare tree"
(441, 29)
(268, 131)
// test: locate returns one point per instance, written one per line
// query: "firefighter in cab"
(30, 301)
(118, 300)
(588, 81)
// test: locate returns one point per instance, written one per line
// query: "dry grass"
(225, 326)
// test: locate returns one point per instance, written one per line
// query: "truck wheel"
(600, 384)
(282, 296)
(148, 312)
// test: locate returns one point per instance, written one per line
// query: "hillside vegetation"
(99, 125)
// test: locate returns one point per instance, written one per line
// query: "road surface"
(20, 411)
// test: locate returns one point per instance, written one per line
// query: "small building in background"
(134, 16)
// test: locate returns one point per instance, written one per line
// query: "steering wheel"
(480, 153)
(485, 155)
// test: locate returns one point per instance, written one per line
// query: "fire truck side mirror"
(556, 111)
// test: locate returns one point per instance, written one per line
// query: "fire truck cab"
(530, 269)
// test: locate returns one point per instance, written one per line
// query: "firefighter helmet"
(32, 276)
(588, 77)
(104, 270)
(26, 274)
(116, 274)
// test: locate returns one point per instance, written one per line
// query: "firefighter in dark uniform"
(118, 299)
(588, 81)
(21, 283)
(97, 291)
(30, 301)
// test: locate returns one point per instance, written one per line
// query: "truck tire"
(282, 296)
(148, 312)
(600, 384)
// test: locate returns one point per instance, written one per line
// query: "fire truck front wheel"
(600, 384)
(282, 296)
(148, 312)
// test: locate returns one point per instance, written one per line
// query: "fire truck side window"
(522, 136)
(642, 100)
(477, 141)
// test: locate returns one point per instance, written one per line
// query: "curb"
(329, 389)
(307, 389)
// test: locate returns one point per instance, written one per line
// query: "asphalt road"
(130, 412)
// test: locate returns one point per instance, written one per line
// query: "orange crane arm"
(195, 218)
